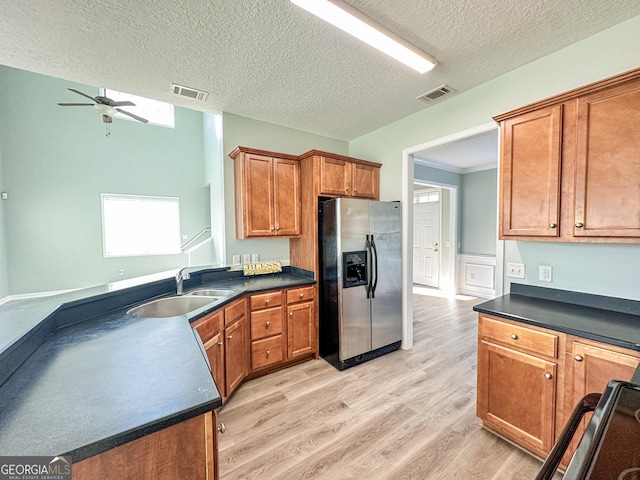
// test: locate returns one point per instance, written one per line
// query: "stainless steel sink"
(171, 306)
(212, 293)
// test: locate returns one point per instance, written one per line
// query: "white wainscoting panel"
(477, 275)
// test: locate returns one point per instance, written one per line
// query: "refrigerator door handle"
(375, 263)
(367, 247)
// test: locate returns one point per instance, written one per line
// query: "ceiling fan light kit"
(355, 23)
(106, 106)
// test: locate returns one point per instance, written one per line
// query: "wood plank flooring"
(406, 415)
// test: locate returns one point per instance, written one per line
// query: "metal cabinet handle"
(221, 343)
(301, 295)
(273, 228)
(222, 427)
(514, 336)
(553, 225)
(268, 353)
(266, 324)
(578, 358)
(230, 337)
(548, 376)
(355, 190)
(579, 225)
(277, 228)
(267, 300)
(291, 314)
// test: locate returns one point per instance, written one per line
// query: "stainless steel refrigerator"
(361, 279)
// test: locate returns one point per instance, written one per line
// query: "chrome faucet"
(181, 276)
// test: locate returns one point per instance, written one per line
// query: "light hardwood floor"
(406, 415)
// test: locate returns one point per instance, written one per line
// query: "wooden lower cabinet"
(215, 353)
(236, 354)
(187, 450)
(301, 329)
(590, 367)
(516, 390)
(530, 379)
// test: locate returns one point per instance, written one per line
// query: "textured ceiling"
(270, 60)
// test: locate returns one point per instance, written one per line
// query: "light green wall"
(605, 54)
(4, 273)
(214, 177)
(265, 136)
(56, 161)
(478, 211)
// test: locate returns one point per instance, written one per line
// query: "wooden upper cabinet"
(344, 178)
(530, 173)
(608, 163)
(569, 167)
(267, 192)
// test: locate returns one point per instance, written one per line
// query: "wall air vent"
(436, 93)
(189, 92)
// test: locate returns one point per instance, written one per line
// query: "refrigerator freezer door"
(386, 304)
(354, 306)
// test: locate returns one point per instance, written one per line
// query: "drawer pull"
(301, 295)
(266, 324)
(268, 353)
(553, 225)
(514, 336)
(230, 337)
(291, 314)
(578, 358)
(267, 301)
(579, 225)
(548, 376)
(222, 427)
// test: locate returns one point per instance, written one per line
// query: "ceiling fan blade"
(76, 104)
(83, 94)
(140, 119)
(124, 103)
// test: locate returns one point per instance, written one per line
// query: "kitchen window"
(136, 225)
(158, 113)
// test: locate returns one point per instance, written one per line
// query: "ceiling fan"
(106, 106)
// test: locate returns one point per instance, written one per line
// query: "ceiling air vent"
(189, 92)
(436, 93)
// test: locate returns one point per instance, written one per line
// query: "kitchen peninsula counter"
(609, 320)
(94, 377)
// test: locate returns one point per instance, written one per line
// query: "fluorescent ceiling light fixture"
(357, 24)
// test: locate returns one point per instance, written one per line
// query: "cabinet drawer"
(234, 311)
(265, 323)
(266, 352)
(208, 326)
(300, 294)
(520, 338)
(265, 300)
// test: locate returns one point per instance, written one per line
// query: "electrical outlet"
(545, 273)
(236, 260)
(255, 257)
(515, 270)
(246, 258)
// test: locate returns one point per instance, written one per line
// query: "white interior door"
(426, 244)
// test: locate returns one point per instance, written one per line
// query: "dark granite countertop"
(604, 319)
(97, 377)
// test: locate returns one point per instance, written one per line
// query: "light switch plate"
(236, 260)
(515, 270)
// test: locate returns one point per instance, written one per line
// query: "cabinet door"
(215, 353)
(516, 395)
(258, 196)
(591, 367)
(236, 354)
(365, 180)
(335, 177)
(286, 175)
(530, 174)
(301, 329)
(607, 193)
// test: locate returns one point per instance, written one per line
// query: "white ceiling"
(463, 155)
(272, 61)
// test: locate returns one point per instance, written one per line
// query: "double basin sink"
(179, 304)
